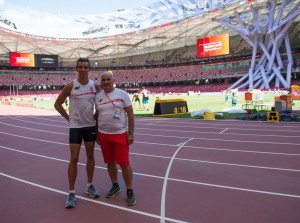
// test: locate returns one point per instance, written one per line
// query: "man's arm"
(130, 115)
(98, 88)
(58, 105)
(96, 114)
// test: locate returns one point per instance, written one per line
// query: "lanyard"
(110, 101)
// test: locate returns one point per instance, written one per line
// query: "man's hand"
(130, 139)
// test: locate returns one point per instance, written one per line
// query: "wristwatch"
(130, 132)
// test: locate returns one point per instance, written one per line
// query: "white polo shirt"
(106, 105)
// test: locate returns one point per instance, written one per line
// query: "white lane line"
(39, 130)
(161, 121)
(195, 147)
(183, 137)
(221, 123)
(247, 151)
(42, 140)
(163, 178)
(239, 165)
(223, 140)
(56, 116)
(90, 200)
(164, 189)
(214, 132)
(166, 157)
(236, 188)
(180, 143)
(244, 151)
(30, 111)
(33, 116)
(182, 131)
(39, 123)
(44, 119)
(235, 134)
(219, 163)
(223, 130)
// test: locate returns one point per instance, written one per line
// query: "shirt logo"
(76, 88)
(91, 89)
(100, 100)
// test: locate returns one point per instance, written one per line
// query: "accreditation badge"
(118, 113)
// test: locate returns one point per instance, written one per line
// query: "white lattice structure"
(266, 28)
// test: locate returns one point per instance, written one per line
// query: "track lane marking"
(164, 188)
(91, 200)
(163, 178)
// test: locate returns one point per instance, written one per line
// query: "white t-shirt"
(82, 101)
(107, 105)
(145, 93)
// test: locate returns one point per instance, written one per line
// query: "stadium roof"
(158, 26)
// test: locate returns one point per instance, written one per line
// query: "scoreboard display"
(170, 107)
(46, 61)
(33, 60)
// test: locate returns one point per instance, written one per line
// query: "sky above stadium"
(98, 18)
(78, 7)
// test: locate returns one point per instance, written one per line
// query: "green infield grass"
(212, 102)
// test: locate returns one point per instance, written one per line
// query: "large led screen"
(33, 60)
(22, 59)
(46, 61)
(213, 46)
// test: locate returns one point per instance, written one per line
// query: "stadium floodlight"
(219, 6)
(246, 16)
(224, 20)
(201, 4)
(251, 28)
(288, 6)
(208, 6)
(286, 3)
(224, 2)
(263, 20)
(269, 6)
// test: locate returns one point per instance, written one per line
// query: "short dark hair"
(83, 59)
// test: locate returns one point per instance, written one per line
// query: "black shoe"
(113, 191)
(130, 198)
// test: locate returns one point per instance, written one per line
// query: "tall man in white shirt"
(81, 92)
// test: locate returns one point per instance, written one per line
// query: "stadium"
(159, 52)
(218, 143)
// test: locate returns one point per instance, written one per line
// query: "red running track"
(185, 170)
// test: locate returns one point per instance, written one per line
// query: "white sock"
(72, 191)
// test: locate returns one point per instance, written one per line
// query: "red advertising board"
(22, 59)
(213, 46)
